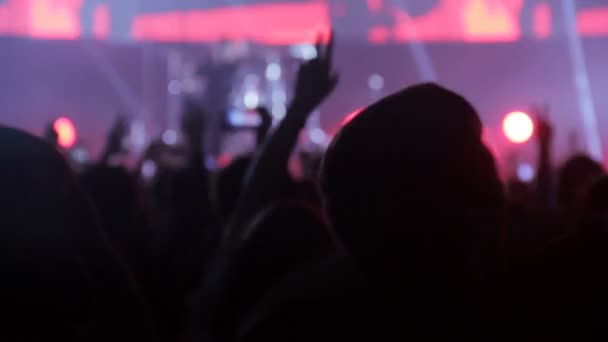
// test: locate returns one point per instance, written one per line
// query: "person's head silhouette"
(58, 271)
(574, 176)
(409, 182)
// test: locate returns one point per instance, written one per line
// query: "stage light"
(273, 72)
(318, 136)
(66, 132)
(518, 127)
(304, 51)
(525, 172)
(239, 118)
(376, 82)
(170, 137)
(251, 99)
(80, 155)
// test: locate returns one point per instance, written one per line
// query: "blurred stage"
(500, 68)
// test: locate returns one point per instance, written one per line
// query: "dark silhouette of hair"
(596, 198)
(414, 195)
(411, 174)
(59, 272)
(575, 174)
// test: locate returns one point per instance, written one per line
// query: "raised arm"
(114, 140)
(268, 173)
(544, 135)
(265, 123)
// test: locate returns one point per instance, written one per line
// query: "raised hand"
(115, 138)
(265, 124)
(316, 78)
(50, 135)
(268, 175)
(544, 128)
(119, 130)
(544, 136)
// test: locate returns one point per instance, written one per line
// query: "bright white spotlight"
(518, 127)
(251, 99)
(581, 81)
(273, 72)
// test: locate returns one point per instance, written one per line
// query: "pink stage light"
(518, 127)
(66, 132)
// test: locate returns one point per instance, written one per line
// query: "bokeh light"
(66, 132)
(518, 127)
(525, 172)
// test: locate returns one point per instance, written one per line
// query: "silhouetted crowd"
(403, 230)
